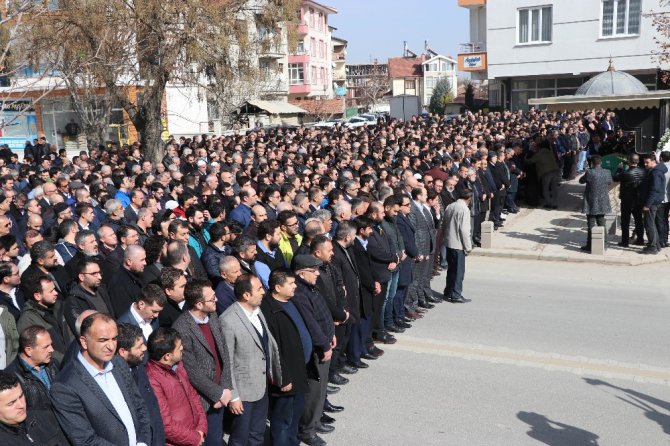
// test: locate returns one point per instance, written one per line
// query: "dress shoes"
(395, 329)
(359, 365)
(374, 351)
(459, 300)
(331, 390)
(412, 315)
(337, 379)
(314, 440)
(426, 305)
(384, 338)
(639, 242)
(369, 357)
(347, 370)
(324, 428)
(623, 245)
(432, 300)
(331, 408)
(403, 324)
(327, 419)
(585, 248)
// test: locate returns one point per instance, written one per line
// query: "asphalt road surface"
(546, 353)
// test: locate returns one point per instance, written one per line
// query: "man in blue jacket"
(652, 193)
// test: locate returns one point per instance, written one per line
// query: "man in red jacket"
(184, 419)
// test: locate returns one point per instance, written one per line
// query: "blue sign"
(340, 91)
(14, 143)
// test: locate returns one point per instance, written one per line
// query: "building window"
(323, 76)
(621, 17)
(312, 18)
(535, 25)
(301, 47)
(315, 79)
(296, 74)
(410, 84)
(313, 46)
(320, 21)
(321, 52)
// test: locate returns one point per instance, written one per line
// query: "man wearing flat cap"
(314, 310)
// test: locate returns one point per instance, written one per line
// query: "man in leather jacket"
(630, 180)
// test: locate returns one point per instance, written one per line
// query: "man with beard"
(131, 346)
(197, 238)
(88, 294)
(268, 256)
(87, 246)
(290, 237)
(245, 251)
(126, 283)
(43, 309)
(44, 261)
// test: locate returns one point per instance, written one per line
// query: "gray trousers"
(416, 291)
(550, 187)
(315, 397)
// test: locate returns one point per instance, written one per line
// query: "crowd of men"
(245, 279)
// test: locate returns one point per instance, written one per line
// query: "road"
(546, 353)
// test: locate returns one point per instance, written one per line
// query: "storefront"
(18, 123)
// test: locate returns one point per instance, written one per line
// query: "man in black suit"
(143, 313)
(95, 397)
(173, 282)
(383, 260)
(370, 289)
(126, 284)
(131, 346)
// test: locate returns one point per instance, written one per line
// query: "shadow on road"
(554, 433)
(642, 401)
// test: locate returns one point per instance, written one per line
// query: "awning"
(621, 102)
(274, 107)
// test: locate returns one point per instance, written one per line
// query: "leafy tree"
(469, 95)
(442, 96)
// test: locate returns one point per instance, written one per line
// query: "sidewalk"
(545, 234)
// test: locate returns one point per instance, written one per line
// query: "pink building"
(311, 67)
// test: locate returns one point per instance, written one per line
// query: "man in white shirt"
(254, 361)
(145, 310)
(95, 397)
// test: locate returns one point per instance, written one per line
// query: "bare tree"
(375, 85)
(661, 21)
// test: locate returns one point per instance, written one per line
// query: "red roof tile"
(321, 107)
(406, 66)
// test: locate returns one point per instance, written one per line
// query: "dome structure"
(612, 83)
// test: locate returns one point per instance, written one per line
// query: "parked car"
(358, 121)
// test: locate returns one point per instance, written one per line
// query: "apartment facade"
(310, 69)
(533, 49)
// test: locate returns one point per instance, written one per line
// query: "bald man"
(126, 283)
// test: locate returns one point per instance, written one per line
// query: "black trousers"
(342, 334)
(662, 218)
(377, 304)
(497, 206)
(628, 209)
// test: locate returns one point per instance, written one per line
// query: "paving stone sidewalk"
(547, 234)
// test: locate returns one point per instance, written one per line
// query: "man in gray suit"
(424, 237)
(95, 397)
(254, 362)
(596, 197)
(205, 357)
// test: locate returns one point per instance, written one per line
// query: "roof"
(612, 82)
(406, 66)
(650, 99)
(320, 106)
(440, 56)
(276, 107)
(330, 9)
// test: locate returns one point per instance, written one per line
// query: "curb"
(539, 255)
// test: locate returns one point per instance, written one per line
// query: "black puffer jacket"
(38, 403)
(630, 183)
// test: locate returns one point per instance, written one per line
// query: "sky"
(377, 28)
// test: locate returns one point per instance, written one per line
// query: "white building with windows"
(543, 48)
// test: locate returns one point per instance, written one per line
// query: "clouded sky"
(377, 28)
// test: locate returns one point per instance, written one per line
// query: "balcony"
(300, 89)
(471, 3)
(303, 29)
(472, 47)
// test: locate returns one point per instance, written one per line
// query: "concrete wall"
(576, 46)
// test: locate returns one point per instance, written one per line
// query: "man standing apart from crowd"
(596, 197)
(459, 244)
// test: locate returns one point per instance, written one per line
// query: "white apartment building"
(543, 48)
